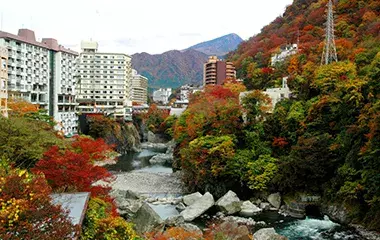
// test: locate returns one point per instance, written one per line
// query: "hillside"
(357, 31)
(170, 69)
(325, 140)
(219, 46)
(175, 68)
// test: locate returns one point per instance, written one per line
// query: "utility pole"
(329, 51)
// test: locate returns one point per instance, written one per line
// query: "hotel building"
(216, 71)
(42, 73)
(104, 82)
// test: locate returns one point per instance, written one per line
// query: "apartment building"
(139, 88)
(216, 71)
(42, 73)
(104, 82)
(162, 95)
(284, 53)
(3, 81)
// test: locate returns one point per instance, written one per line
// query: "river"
(134, 172)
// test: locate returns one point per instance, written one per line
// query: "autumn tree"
(26, 210)
(73, 169)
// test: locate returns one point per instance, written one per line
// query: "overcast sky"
(152, 26)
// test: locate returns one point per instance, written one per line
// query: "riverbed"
(134, 172)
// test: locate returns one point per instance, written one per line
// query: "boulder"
(146, 219)
(161, 158)
(229, 203)
(249, 209)
(265, 206)
(191, 228)
(191, 198)
(198, 208)
(268, 234)
(174, 221)
(155, 138)
(180, 207)
(275, 200)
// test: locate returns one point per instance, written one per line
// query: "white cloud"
(142, 25)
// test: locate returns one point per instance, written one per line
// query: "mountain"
(170, 69)
(175, 68)
(219, 46)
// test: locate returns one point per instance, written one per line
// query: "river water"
(311, 228)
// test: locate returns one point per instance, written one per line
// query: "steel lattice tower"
(329, 51)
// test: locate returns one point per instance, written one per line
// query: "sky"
(126, 26)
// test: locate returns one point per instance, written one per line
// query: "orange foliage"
(279, 142)
(174, 233)
(21, 107)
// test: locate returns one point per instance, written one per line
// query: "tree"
(74, 170)
(27, 211)
(23, 141)
(101, 223)
(205, 162)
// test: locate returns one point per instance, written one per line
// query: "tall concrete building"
(42, 73)
(215, 71)
(139, 88)
(104, 82)
(3, 81)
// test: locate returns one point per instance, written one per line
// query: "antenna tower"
(329, 51)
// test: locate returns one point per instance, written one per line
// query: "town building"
(3, 82)
(275, 94)
(139, 88)
(162, 95)
(216, 71)
(104, 83)
(42, 73)
(285, 52)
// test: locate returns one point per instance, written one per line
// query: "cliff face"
(124, 136)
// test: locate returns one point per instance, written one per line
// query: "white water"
(311, 228)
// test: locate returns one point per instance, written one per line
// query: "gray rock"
(191, 198)
(265, 206)
(267, 234)
(155, 138)
(240, 220)
(180, 207)
(146, 219)
(337, 213)
(174, 221)
(191, 228)
(229, 203)
(131, 195)
(249, 209)
(275, 200)
(161, 158)
(198, 208)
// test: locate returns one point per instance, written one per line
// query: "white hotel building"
(104, 82)
(139, 88)
(42, 73)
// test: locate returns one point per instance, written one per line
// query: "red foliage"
(219, 92)
(26, 210)
(74, 170)
(279, 142)
(96, 149)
